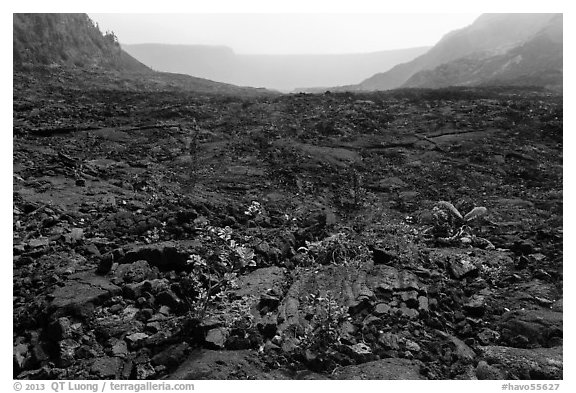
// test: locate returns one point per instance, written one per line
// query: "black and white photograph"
(286, 196)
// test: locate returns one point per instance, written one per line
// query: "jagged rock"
(44, 372)
(360, 352)
(518, 363)
(462, 351)
(389, 341)
(402, 369)
(137, 290)
(80, 293)
(145, 371)
(59, 329)
(260, 281)
(382, 257)
(120, 348)
(135, 339)
(216, 338)
(344, 285)
(542, 327)
(91, 249)
(475, 306)
(105, 264)
(218, 365)
(488, 336)
(106, 367)
(412, 346)
(171, 356)
(536, 291)
(153, 327)
(347, 331)
(484, 371)
(134, 272)
(40, 242)
(267, 326)
(462, 263)
(462, 268)
(468, 374)
(166, 256)
(169, 298)
(66, 352)
(115, 326)
(75, 235)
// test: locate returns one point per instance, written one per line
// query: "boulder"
(260, 281)
(210, 365)
(135, 272)
(106, 367)
(81, 293)
(172, 356)
(385, 369)
(166, 256)
(533, 327)
(519, 363)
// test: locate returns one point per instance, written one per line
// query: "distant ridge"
(465, 56)
(282, 72)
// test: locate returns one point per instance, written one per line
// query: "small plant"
(335, 249)
(321, 335)
(216, 269)
(254, 209)
(451, 227)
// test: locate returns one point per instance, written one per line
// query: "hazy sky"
(285, 33)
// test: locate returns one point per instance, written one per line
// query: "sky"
(286, 33)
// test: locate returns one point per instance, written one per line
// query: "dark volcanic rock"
(165, 256)
(542, 327)
(81, 293)
(462, 268)
(59, 329)
(135, 272)
(208, 364)
(260, 281)
(517, 363)
(484, 371)
(382, 256)
(106, 367)
(381, 369)
(171, 356)
(216, 338)
(345, 285)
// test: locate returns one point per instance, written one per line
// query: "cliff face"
(68, 39)
(459, 55)
(536, 61)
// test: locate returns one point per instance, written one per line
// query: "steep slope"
(490, 34)
(70, 39)
(538, 61)
(87, 59)
(283, 72)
